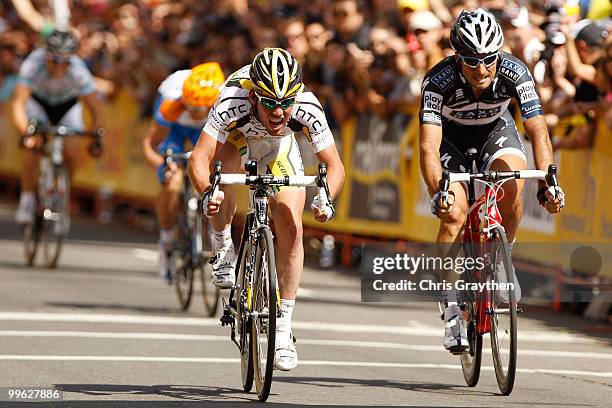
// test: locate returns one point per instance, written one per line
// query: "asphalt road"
(106, 331)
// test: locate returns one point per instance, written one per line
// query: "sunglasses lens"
(268, 103)
(490, 60)
(287, 103)
(473, 62)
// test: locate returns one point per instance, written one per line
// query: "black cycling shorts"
(55, 113)
(491, 141)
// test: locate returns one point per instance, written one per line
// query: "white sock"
(283, 323)
(222, 239)
(166, 235)
(27, 197)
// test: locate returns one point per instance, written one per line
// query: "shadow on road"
(113, 306)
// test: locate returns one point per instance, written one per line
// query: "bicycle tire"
(31, 238)
(471, 362)
(185, 262)
(243, 320)
(264, 299)
(183, 282)
(58, 204)
(505, 369)
(210, 293)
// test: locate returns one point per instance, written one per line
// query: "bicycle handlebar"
(268, 180)
(492, 176)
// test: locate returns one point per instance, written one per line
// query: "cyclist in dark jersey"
(464, 103)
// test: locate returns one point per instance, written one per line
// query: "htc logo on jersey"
(231, 112)
(310, 118)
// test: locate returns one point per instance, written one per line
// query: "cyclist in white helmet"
(464, 104)
(260, 108)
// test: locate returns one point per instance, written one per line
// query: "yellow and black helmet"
(276, 74)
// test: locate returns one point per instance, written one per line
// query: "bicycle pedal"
(226, 319)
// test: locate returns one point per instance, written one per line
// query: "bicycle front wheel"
(31, 238)
(264, 313)
(183, 282)
(242, 295)
(56, 215)
(503, 314)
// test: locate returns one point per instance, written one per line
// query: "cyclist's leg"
(74, 147)
(455, 334)
(225, 254)
(453, 160)
(287, 208)
(29, 169)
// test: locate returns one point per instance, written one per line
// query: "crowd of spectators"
(358, 56)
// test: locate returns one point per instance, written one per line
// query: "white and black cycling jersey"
(447, 97)
(233, 111)
(76, 82)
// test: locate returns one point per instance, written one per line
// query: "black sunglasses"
(271, 104)
(58, 59)
(473, 62)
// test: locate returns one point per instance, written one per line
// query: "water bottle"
(327, 257)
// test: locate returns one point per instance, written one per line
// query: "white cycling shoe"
(455, 334)
(285, 355)
(25, 212)
(223, 265)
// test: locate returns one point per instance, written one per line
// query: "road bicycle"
(254, 302)
(492, 310)
(193, 250)
(52, 212)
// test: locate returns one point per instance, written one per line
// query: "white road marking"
(548, 336)
(312, 342)
(144, 254)
(13, 357)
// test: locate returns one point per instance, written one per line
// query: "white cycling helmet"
(476, 32)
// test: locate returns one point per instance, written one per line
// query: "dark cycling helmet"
(276, 74)
(476, 32)
(62, 43)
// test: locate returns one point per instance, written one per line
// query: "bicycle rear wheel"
(185, 261)
(503, 315)
(242, 295)
(264, 313)
(56, 215)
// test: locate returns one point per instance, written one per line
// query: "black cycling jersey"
(447, 97)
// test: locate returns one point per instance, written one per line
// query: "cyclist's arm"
(335, 168)
(537, 131)
(154, 137)
(19, 115)
(92, 101)
(430, 138)
(200, 160)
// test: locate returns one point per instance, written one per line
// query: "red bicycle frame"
(481, 216)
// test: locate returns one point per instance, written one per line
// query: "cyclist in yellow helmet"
(184, 100)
